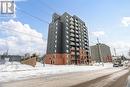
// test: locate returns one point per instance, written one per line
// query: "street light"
(99, 50)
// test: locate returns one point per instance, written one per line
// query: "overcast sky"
(107, 19)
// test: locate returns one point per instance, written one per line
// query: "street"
(112, 77)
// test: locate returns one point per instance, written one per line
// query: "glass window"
(66, 16)
(56, 37)
(67, 32)
(56, 27)
(66, 23)
(55, 41)
(67, 51)
(67, 36)
(67, 20)
(56, 23)
(55, 46)
(67, 41)
(67, 28)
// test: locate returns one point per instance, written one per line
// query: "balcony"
(72, 53)
(71, 26)
(76, 20)
(76, 24)
(86, 47)
(72, 35)
(77, 32)
(72, 31)
(77, 44)
(72, 23)
(77, 36)
(71, 19)
(77, 53)
(76, 28)
(77, 48)
(72, 43)
(77, 40)
(72, 48)
(72, 39)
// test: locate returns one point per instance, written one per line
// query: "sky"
(109, 20)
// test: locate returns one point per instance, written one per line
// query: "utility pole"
(99, 51)
(43, 60)
(115, 51)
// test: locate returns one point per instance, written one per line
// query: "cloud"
(120, 44)
(121, 47)
(21, 38)
(126, 21)
(98, 33)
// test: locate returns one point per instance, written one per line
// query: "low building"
(11, 58)
(101, 52)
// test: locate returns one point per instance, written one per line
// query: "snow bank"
(16, 71)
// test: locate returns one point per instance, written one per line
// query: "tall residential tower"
(67, 40)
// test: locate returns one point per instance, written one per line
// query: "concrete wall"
(30, 61)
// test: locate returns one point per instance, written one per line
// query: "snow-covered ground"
(16, 71)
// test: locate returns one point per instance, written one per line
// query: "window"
(56, 27)
(67, 28)
(66, 23)
(55, 50)
(66, 16)
(56, 37)
(67, 51)
(67, 36)
(67, 41)
(67, 32)
(55, 46)
(67, 46)
(56, 32)
(56, 23)
(67, 20)
(55, 41)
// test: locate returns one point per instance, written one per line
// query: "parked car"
(115, 65)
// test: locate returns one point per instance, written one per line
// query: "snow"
(16, 71)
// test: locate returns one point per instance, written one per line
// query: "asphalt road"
(80, 79)
(103, 82)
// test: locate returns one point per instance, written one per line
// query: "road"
(113, 77)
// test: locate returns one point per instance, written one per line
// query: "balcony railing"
(72, 31)
(72, 43)
(71, 26)
(72, 53)
(72, 35)
(72, 39)
(72, 23)
(71, 19)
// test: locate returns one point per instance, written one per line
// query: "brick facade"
(57, 59)
(63, 59)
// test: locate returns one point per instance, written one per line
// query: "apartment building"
(67, 40)
(101, 52)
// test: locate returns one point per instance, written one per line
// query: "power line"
(6, 28)
(32, 15)
(27, 40)
(42, 9)
(50, 7)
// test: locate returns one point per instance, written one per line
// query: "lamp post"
(99, 51)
